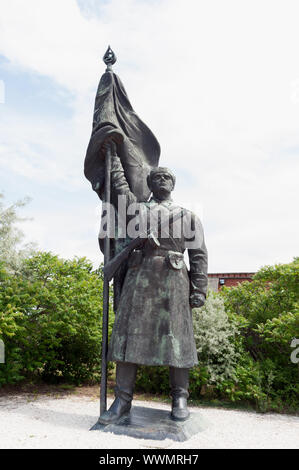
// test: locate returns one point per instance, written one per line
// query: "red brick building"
(217, 280)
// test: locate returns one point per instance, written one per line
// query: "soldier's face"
(161, 184)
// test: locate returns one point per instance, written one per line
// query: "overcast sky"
(216, 81)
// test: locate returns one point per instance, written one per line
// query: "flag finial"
(109, 59)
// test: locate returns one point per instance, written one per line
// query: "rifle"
(112, 265)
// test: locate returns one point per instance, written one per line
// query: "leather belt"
(158, 252)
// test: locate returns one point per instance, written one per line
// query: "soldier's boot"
(125, 382)
(179, 383)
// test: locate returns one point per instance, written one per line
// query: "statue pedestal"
(153, 423)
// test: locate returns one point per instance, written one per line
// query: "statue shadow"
(58, 418)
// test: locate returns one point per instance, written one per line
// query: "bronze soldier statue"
(153, 319)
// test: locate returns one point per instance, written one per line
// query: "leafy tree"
(10, 371)
(273, 291)
(50, 316)
(268, 314)
(12, 249)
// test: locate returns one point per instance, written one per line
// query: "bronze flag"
(138, 148)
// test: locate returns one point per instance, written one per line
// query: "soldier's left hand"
(197, 300)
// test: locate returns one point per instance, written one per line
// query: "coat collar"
(165, 202)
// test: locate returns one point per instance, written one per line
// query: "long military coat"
(153, 321)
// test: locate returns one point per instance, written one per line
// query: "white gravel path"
(64, 423)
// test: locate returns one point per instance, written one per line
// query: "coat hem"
(180, 365)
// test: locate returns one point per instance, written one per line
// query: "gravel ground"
(63, 423)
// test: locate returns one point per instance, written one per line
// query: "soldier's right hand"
(110, 144)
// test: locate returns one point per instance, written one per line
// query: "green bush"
(153, 380)
(215, 339)
(50, 320)
(268, 315)
(273, 291)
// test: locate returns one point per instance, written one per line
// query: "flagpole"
(105, 319)
(109, 59)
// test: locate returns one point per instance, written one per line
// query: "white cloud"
(215, 81)
(66, 231)
(44, 151)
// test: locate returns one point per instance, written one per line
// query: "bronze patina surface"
(154, 290)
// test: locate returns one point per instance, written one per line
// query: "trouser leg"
(179, 384)
(125, 380)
